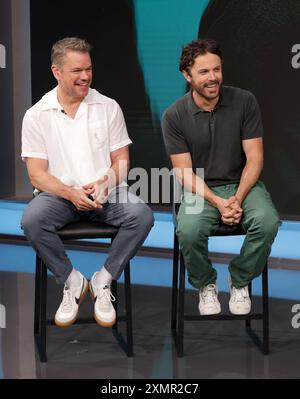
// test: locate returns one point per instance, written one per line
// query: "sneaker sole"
(99, 321)
(210, 313)
(69, 323)
(239, 313)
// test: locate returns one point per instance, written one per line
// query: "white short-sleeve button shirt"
(78, 150)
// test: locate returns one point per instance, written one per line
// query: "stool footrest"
(250, 316)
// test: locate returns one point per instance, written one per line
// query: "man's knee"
(30, 224)
(271, 225)
(146, 215)
(190, 233)
(142, 215)
(267, 224)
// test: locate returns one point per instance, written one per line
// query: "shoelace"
(105, 298)
(66, 305)
(209, 294)
(240, 294)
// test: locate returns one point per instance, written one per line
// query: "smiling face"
(205, 77)
(74, 76)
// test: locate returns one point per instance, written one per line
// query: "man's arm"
(43, 181)
(119, 166)
(253, 149)
(182, 165)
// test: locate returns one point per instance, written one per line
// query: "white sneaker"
(104, 311)
(208, 300)
(240, 302)
(67, 312)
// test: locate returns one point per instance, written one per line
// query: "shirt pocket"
(98, 135)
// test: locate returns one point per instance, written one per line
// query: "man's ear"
(187, 76)
(56, 72)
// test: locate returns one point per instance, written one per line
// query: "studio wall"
(7, 155)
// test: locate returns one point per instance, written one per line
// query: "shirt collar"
(195, 109)
(50, 100)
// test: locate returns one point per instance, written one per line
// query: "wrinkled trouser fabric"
(47, 213)
(260, 221)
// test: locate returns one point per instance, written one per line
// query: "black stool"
(178, 315)
(75, 231)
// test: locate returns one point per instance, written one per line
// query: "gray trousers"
(47, 213)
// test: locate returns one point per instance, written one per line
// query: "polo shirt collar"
(50, 100)
(195, 109)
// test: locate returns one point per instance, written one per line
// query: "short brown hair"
(60, 48)
(198, 47)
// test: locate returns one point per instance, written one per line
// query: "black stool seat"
(225, 230)
(87, 229)
(83, 229)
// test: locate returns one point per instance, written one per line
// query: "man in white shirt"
(75, 145)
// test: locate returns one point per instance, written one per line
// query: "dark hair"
(60, 48)
(195, 48)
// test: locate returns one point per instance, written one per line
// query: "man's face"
(74, 77)
(205, 76)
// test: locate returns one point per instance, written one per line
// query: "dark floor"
(213, 349)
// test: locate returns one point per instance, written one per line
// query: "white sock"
(103, 277)
(74, 279)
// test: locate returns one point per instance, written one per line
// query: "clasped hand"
(91, 196)
(231, 211)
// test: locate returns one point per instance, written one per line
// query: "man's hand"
(230, 209)
(79, 198)
(233, 214)
(98, 189)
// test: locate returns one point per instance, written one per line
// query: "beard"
(204, 91)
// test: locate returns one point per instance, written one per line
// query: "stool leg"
(128, 306)
(248, 321)
(114, 291)
(41, 311)
(180, 336)
(40, 308)
(265, 298)
(128, 345)
(37, 296)
(43, 354)
(175, 283)
(263, 343)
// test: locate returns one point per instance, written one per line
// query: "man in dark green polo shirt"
(219, 128)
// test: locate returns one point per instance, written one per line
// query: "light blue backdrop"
(163, 27)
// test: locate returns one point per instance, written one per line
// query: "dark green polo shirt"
(214, 139)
